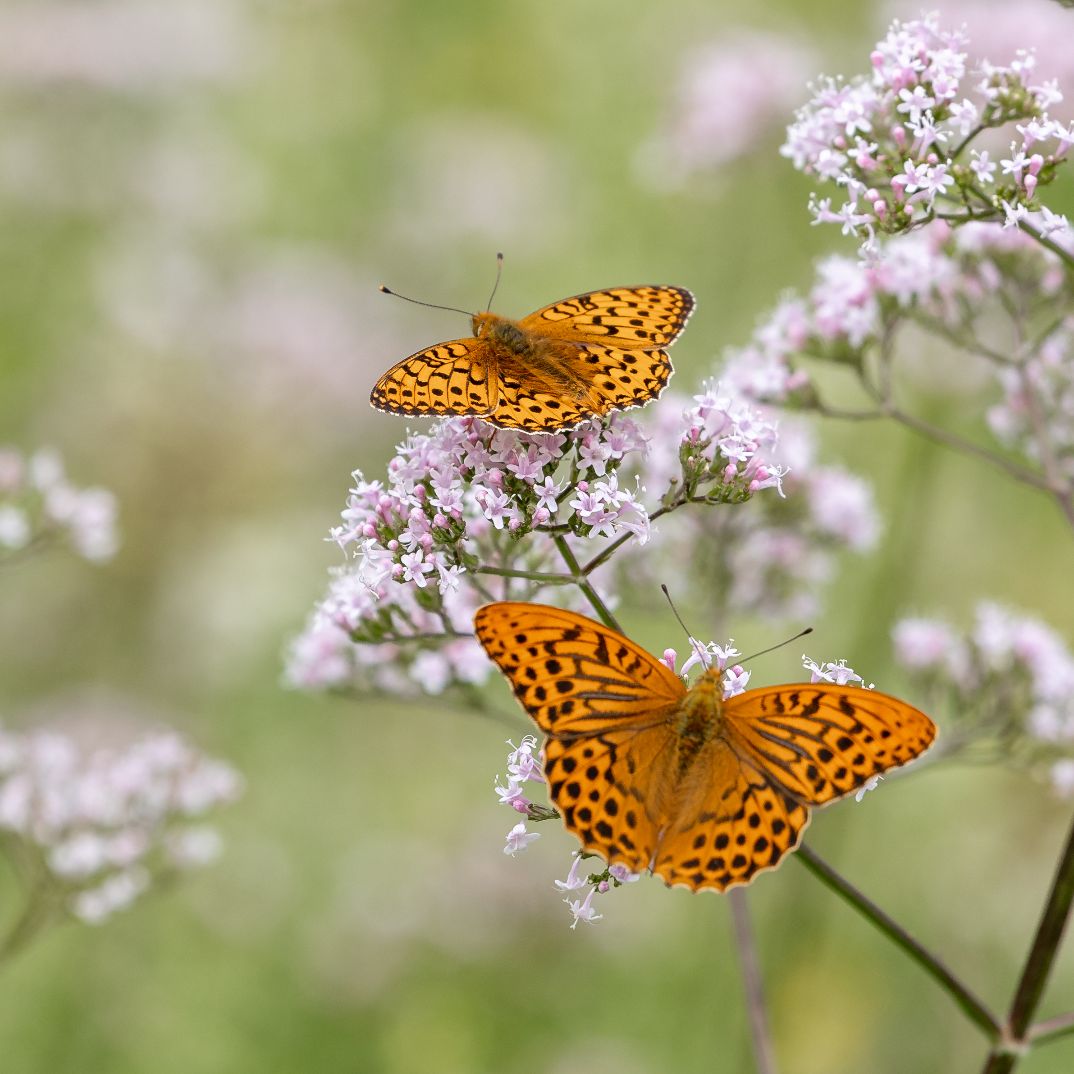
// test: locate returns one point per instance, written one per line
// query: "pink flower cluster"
(1036, 414)
(947, 279)
(716, 447)
(463, 497)
(1011, 678)
(898, 141)
(772, 556)
(39, 506)
(105, 823)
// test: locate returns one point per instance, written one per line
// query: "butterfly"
(702, 791)
(584, 356)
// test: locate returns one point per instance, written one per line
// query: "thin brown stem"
(947, 439)
(1062, 1025)
(760, 1035)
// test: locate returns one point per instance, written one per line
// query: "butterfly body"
(702, 790)
(697, 722)
(582, 357)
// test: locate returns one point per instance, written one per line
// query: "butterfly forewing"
(647, 317)
(821, 741)
(572, 675)
(456, 377)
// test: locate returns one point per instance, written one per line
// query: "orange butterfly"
(651, 775)
(584, 356)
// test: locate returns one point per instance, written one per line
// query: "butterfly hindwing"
(736, 825)
(600, 785)
(647, 317)
(821, 741)
(456, 377)
(572, 675)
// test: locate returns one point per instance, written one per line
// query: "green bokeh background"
(363, 917)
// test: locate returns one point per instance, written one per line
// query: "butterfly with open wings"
(705, 792)
(582, 357)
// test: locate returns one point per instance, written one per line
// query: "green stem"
(603, 612)
(532, 576)
(1024, 225)
(1038, 966)
(602, 557)
(971, 1006)
(36, 914)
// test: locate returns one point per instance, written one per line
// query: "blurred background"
(197, 202)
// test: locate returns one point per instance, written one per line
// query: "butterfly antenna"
(431, 305)
(496, 285)
(771, 648)
(702, 655)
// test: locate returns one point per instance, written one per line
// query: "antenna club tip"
(499, 255)
(384, 289)
(808, 630)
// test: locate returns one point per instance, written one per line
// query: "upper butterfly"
(584, 356)
(704, 791)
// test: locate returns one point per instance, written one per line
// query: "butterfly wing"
(595, 380)
(605, 705)
(602, 784)
(529, 404)
(730, 823)
(819, 741)
(631, 318)
(456, 377)
(572, 675)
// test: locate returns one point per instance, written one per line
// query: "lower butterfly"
(702, 791)
(585, 356)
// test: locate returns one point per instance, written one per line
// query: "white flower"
(574, 880)
(869, 785)
(518, 839)
(582, 910)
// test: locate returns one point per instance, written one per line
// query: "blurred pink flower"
(731, 95)
(122, 45)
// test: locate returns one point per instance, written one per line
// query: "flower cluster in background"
(899, 141)
(1007, 684)
(761, 73)
(949, 282)
(93, 828)
(39, 506)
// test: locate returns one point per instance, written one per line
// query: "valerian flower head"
(897, 141)
(105, 823)
(462, 497)
(39, 506)
(1008, 682)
